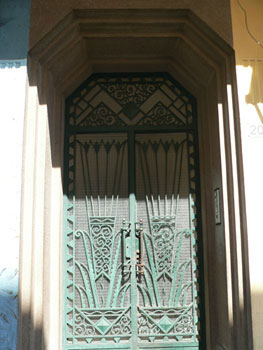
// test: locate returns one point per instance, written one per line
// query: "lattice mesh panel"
(162, 189)
(101, 204)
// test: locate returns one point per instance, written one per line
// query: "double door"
(131, 250)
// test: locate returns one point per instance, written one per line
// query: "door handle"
(126, 246)
(127, 250)
(139, 247)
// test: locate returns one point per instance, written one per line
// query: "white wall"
(12, 105)
(251, 114)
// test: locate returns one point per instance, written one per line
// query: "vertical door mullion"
(132, 218)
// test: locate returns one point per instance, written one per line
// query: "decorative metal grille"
(130, 226)
(130, 100)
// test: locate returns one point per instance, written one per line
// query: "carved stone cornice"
(177, 36)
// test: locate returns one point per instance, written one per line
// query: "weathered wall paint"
(14, 28)
(12, 92)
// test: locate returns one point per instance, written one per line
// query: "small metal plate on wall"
(217, 206)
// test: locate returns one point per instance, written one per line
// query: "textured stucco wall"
(46, 13)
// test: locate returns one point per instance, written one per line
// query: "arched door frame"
(175, 41)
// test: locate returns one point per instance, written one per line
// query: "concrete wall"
(249, 56)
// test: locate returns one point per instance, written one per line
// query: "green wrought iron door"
(130, 218)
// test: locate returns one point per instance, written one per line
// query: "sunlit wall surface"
(248, 44)
(252, 145)
(12, 92)
(14, 27)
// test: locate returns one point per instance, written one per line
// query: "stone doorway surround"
(174, 41)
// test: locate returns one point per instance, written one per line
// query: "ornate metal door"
(130, 218)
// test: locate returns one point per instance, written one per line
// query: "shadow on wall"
(33, 338)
